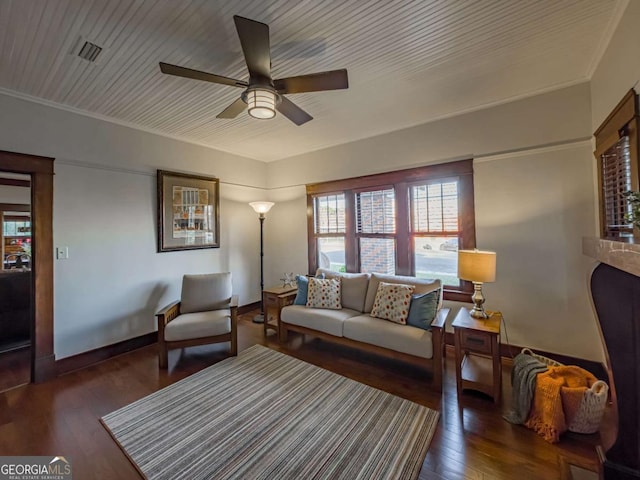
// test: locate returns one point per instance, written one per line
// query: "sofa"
(352, 324)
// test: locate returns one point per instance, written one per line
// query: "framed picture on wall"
(188, 211)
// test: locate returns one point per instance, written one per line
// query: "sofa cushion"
(354, 287)
(423, 309)
(323, 320)
(198, 325)
(324, 293)
(392, 302)
(422, 286)
(401, 338)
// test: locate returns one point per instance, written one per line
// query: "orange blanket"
(557, 399)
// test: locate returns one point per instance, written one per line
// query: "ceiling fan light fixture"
(261, 103)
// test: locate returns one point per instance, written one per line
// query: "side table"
(477, 345)
(274, 299)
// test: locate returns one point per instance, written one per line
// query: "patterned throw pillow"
(392, 302)
(423, 309)
(324, 293)
(302, 283)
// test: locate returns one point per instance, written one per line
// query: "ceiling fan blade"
(254, 38)
(293, 112)
(199, 75)
(314, 82)
(233, 110)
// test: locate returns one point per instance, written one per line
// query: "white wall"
(534, 202)
(105, 212)
(619, 68)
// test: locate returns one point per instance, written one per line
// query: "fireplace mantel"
(623, 255)
(615, 291)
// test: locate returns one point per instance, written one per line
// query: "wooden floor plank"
(472, 442)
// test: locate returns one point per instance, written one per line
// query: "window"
(408, 222)
(375, 229)
(617, 156)
(330, 230)
(435, 230)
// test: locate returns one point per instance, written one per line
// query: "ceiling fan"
(263, 95)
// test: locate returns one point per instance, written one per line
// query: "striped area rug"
(266, 415)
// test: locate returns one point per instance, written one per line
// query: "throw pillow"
(392, 302)
(324, 293)
(302, 282)
(423, 309)
(303, 290)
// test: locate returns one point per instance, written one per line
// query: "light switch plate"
(62, 253)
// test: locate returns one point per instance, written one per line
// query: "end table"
(274, 299)
(477, 345)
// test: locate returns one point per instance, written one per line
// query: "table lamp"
(478, 267)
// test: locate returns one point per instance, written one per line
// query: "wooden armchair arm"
(167, 314)
(234, 302)
(441, 318)
(437, 339)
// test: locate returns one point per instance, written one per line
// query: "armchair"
(207, 312)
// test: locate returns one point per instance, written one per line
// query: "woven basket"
(593, 403)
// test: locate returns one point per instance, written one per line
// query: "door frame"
(41, 171)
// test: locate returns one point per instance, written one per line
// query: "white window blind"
(329, 214)
(616, 180)
(435, 207)
(376, 211)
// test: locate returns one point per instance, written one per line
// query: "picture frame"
(188, 211)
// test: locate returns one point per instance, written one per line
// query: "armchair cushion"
(201, 293)
(198, 325)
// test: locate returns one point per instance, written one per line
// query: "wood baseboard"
(248, 308)
(83, 360)
(507, 352)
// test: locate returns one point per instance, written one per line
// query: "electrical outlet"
(62, 253)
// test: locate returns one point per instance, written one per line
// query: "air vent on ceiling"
(89, 51)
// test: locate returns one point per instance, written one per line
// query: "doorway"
(39, 262)
(15, 280)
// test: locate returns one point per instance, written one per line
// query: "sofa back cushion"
(354, 288)
(422, 286)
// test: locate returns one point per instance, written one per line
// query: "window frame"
(622, 121)
(401, 181)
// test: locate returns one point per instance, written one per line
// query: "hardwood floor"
(472, 442)
(15, 368)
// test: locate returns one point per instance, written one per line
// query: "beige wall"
(619, 68)
(542, 120)
(534, 202)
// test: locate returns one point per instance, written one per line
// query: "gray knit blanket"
(523, 383)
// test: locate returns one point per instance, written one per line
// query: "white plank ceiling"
(409, 62)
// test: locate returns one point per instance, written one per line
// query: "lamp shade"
(477, 265)
(262, 207)
(261, 103)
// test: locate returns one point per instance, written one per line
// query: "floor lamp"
(261, 209)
